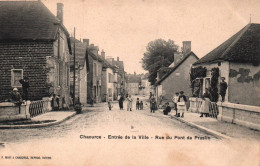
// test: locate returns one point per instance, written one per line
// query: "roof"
(27, 20)
(176, 66)
(244, 46)
(80, 52)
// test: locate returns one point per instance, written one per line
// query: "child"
(141, 105)
(109, 104)
(167, 109)
(137, 104)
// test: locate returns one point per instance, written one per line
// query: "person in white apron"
(175, 101)
(181, 105)
(204, 108)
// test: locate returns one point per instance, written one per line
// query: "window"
(110, 78)
(16, 75)
(109, 92)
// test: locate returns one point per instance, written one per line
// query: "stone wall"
(244, 115)
(29, 56)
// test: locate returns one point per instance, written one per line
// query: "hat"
(15, 89)
(181, 92)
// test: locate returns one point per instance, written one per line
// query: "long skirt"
(181, 107)
(129, 105)
(204, 108)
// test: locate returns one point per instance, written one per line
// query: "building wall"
(244, 84)
(104, 85)
(29, 56)
(94, 80)
(132, 88)
(83, 85)
(179, 80)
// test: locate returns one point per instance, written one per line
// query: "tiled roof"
(27, 20)
(244, 46)
(172, 69)
(80, 52)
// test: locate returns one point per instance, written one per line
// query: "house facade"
(41, 54)
(95, 74)
(176, 77)
(82, 68)
(238, 61)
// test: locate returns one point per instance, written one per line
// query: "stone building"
(176, 77)
(237, 59)
(34, 43)
(82, 68)
(95, 74)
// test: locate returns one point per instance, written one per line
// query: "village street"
(99, 121)
(98, 135)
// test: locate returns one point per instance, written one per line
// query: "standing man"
(222, 89)
(175, 101)
(25, 87)
(152, 104)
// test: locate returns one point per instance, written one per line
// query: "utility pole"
(74, 71)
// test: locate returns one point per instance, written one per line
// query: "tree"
(159, 53)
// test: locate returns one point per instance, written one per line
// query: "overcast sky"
(124, 27)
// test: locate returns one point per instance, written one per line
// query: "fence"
(213, 109)
(39, 107)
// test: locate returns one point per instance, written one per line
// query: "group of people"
(179, 101)
(15, 96)
(139, 104)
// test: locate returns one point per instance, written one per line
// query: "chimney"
(117, 59)
(60, 12)
(103, 54)
(177, 57)
(186, 48)
(86, 42)
(94, 49)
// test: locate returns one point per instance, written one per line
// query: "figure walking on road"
(137, 104)
(121, 102)
(152, 103)
(129, 103)
(181, 105)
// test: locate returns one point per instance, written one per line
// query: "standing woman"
(129, 103)
(152, 103)
(181, 105)
(121, 102)
(204, 108)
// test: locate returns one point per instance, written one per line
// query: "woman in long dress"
(181, 105)
(121, 102)
(204, 108)
(129, 103)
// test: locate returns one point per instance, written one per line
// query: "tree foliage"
(159, 53)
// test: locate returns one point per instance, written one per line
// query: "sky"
(123, 28)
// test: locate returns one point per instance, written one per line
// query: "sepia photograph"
(129, 82)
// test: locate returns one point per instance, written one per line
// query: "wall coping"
(195, 99)
(240, 106)
(7, 104)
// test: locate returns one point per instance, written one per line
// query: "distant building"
(121, 81)
(95, 74)
(34, 43)
(109, 80)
